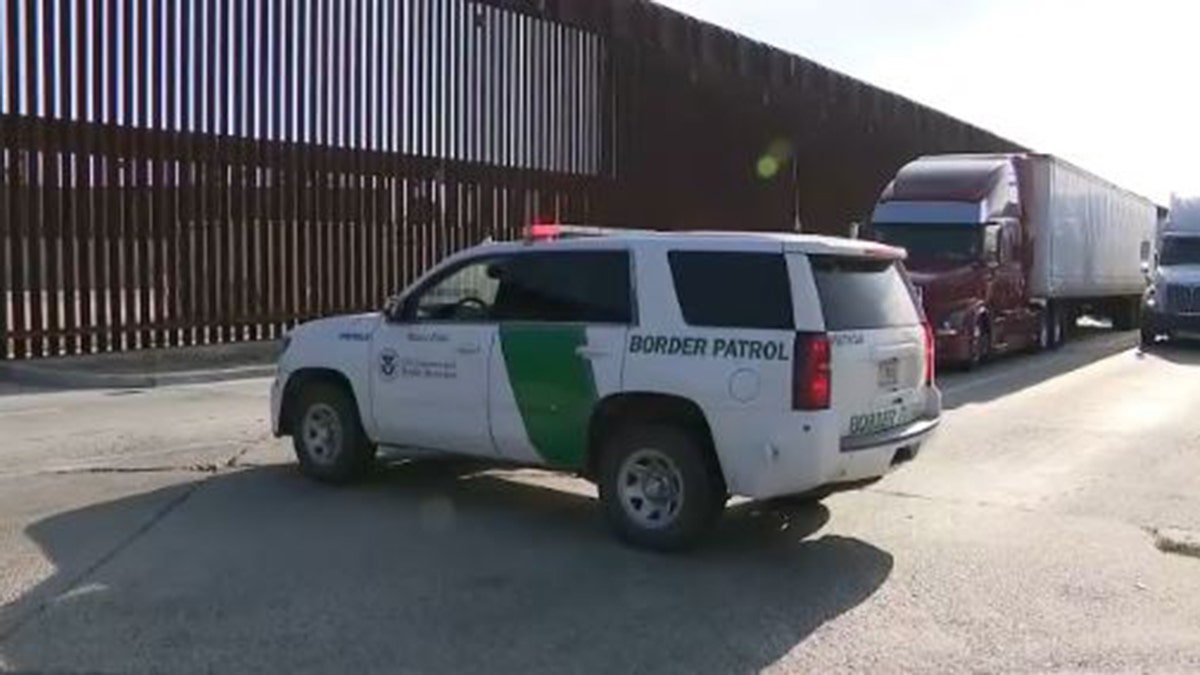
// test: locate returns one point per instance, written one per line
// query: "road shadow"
(1011, 374)
(10, 387)
(429, 567)
(1183, 351)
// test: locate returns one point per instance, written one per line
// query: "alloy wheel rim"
(321, 432)
(651, 489)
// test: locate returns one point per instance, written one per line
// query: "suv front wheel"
(327, 436)
(658, 490)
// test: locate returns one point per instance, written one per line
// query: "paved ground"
(166, 531)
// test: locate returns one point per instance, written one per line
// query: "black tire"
(327, 435)
(1149, 338)
(1045, 336)
(1058, 325)
(689, 475)
(1128, 316)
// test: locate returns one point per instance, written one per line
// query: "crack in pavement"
(1176, 541)
(233, 462)
(43, 605)
(950, 500)
(190, 468)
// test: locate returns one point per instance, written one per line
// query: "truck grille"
(1183, 299)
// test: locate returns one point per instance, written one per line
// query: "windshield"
(1180, 251)
(954, 243)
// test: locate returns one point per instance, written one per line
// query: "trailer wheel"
(1127, 315)
(1045, 330)
(1058, 328)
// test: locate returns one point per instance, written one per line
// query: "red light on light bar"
(538, 231)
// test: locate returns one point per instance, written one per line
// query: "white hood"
(351, 328)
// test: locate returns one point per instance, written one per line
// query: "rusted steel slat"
(238, 281)
(143, 215)
(278, 228)
(67, 299)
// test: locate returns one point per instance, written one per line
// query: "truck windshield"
(1180, 251)
(952, 243)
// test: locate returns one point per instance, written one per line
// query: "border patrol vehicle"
(675, 370)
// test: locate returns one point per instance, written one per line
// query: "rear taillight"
(929, 354)
(811, 376)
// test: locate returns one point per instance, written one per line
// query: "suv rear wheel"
(327, 435)
(657, 487)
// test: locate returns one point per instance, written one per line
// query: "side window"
(467, 294)
(565, 287)
(733, 290)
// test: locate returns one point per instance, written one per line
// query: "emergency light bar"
(552, 231)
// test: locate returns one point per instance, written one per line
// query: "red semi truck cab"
(1008, 251)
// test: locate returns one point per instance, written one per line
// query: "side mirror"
(991, 245)
(497, 272)
(393, 309)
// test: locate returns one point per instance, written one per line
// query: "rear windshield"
(861, 294)
(733, 290)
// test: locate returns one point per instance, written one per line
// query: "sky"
(1111, 85)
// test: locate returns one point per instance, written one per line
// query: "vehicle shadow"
(1009, 375)
(1182, 351)
(430, 567)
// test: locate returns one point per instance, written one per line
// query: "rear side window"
(733, 290)
(577, 286)
(861, 294)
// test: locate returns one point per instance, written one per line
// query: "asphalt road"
(166, 531)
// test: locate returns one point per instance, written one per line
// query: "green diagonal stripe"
(554, 388)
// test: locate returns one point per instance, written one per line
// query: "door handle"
(469, 350)
(592, 353)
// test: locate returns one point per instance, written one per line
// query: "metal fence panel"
(205, 171)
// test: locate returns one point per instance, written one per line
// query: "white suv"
(673, 369)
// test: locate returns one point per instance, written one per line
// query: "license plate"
(889, 373)
(873, 423)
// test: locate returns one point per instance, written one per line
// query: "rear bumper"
(914, 432)
(795, 463)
